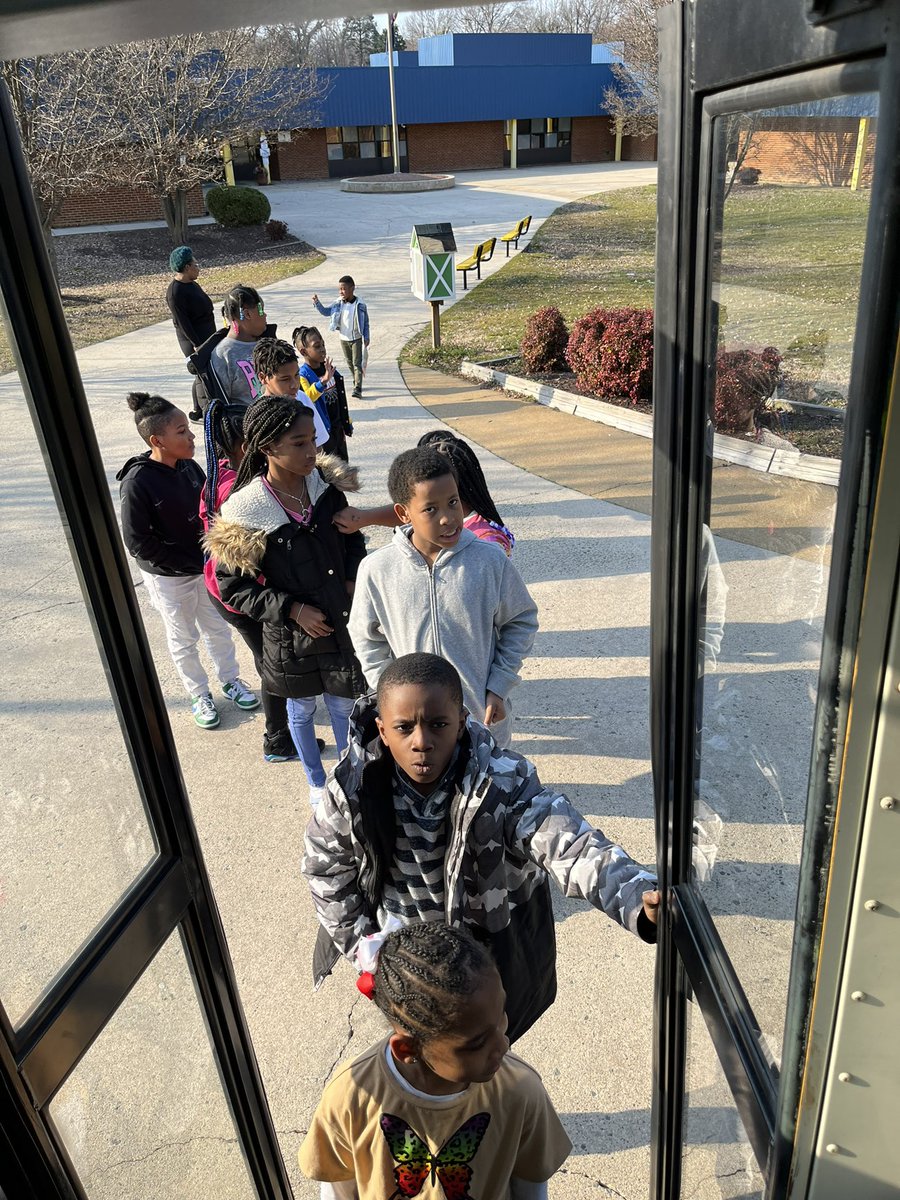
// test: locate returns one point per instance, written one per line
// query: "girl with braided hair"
(324, 385)
(281, 561)
(224, 452)
(479, 510)
(439, 1106)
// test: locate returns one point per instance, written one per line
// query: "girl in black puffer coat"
(281, 561)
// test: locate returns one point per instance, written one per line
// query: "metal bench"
(512, 238)
(482, 253)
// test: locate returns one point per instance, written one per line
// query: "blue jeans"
(301, 722)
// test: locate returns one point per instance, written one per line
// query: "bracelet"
(299, 611)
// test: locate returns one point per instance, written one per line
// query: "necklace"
(303, 502)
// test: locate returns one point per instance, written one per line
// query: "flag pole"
(395, 136)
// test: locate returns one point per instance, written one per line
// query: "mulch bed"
(810, 432)
(97, 258)
(112, 283)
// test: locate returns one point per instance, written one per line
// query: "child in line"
(441, 1095)
(479, 510)
(324, 385)
(437, 587)
(281, 561)
(278, 369)
(225, 451)
(234, 379)
(428, 818)
(349, 318)
(161, 527)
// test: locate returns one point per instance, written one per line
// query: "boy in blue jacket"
(349, 318)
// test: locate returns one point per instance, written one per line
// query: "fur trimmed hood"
(236, 539)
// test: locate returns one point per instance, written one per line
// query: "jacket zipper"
(435, 628)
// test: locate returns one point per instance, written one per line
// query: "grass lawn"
(112, 283)
(596, 251)
(791, 262)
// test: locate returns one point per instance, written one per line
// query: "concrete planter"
(791, 463)
(398, 183)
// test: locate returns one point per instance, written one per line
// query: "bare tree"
(595, 17)
(288, 45)
(827, 155)
(63, 123)
(178, 99)
(738, 132)
(634, 99)
(489, 18)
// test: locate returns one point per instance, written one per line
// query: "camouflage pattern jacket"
(507, 833)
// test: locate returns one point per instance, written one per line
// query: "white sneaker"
(238, 692)
(316, 796)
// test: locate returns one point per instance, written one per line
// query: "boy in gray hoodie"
(438, 589)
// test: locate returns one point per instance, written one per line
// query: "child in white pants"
(161, 526)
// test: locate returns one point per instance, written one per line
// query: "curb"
(792, 464)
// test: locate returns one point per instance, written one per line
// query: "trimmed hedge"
(611, 352)
(544, 345)
(745, 379)
(233, 206)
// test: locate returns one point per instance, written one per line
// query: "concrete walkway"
(582, 716)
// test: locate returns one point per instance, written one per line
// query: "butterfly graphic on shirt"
(415, 1162)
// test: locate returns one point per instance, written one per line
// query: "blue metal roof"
(359, 95)
(505, 50)
(402, 58)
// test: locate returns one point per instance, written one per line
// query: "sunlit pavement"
(581, 714)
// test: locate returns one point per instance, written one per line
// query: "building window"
(539, 133)
(363, 141)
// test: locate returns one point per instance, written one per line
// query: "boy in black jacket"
(160, 493)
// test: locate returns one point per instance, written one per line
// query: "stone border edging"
(373, 184)
(790, 463)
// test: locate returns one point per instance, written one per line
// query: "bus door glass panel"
(144, 1113)
(718, 1162)
(790, 204)
(73, 833)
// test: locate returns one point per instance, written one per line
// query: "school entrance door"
(773, 601)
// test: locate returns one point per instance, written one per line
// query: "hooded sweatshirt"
(470, 606)
(161, 524)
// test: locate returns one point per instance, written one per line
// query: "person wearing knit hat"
(192, 313)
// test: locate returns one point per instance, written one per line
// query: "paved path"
(582, 717)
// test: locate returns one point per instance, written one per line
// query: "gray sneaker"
(206, 715)
(237, 691)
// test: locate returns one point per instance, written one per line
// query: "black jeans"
(274, 707)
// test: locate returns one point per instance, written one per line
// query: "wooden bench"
(482, 253)
(512, 238)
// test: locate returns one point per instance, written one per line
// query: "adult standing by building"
(192, 313)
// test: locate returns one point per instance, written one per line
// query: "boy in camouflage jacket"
(483, 863)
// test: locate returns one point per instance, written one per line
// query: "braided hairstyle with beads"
(223, 433)
(266, 420)
(239, 301)
(473, 488)
(425, 975)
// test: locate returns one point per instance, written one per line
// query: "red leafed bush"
(277, 230)
(545, 341)
(745, 379)
(611, 352)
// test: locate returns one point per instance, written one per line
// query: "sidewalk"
(581, 710)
